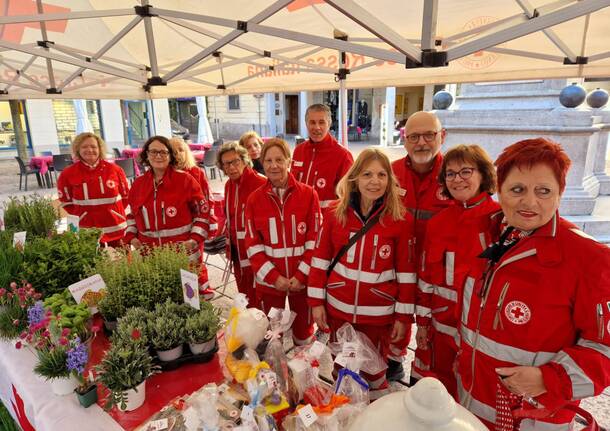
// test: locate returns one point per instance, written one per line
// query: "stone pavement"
(9, 186)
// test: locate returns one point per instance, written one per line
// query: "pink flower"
(46, 333)
(95, 329)
(23, 335)
(18, 345)
(13, 285)
(136, 334)
(2, 291)
(63, 341)
(65, 332)
(16, 322)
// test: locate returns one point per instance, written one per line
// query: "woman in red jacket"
(233, 159)
(535, 326)
(167, 205)
(372, 285)
(283, 220)
(455, 238)
(94, 189)
(185, 161)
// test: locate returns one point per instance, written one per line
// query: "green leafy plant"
(140, 279)
(54, 263)
(6, 420)
(11, 259)
(52, 363)
(136, 318)
(124, 366)
(34, 214)
(203, 325)
(167, 325)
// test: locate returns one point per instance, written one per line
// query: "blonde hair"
(249, 135)
(348, 184)
(79, 139)
(189, 159)
(232, 146)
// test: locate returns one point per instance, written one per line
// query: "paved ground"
(9, 186)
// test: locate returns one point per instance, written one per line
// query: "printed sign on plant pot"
(88, 291)
(190, 288)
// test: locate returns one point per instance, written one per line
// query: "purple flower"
(77, 356)
(36, 313)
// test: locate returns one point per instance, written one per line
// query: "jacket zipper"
(600, 321)
(363, 240)
(101, 185)
(155, 211)
(313, 156)
(375, 240)
(497, 317)
(281, 209)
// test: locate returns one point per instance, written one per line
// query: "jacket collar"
(475, 201)
(292, 183)
(327, 141)
(245, 176)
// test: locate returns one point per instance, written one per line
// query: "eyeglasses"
(155, 153)
(464, 174)
(413, 138)
(234, 163)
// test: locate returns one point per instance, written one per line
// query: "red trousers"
(302, 328)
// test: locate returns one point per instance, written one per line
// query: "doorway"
(137, 127)
(292, 114)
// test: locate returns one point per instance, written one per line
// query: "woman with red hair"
(535, 325)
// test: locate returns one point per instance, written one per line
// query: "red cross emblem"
(111, 184)
(321, 183)
(302, 228)
(385, 251)
(517, 312)
(203, 206)
(171, 211)
(14, 32)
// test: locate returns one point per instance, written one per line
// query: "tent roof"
(178, 48)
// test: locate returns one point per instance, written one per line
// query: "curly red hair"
(530, 152)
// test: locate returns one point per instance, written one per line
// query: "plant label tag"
(88, 291)
(72, 223)
(2, 219)
(19, 239)
(190, 288)
(307, 415)
(158, 425)
(348, 353)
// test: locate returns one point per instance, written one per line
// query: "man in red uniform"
(417, 175)
(320, 162)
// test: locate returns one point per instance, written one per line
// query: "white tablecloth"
(44, 410)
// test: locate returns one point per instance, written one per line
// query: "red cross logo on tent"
(14, 32)
(517, 312)
(302, 4)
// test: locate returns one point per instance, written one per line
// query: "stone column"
(599, 165)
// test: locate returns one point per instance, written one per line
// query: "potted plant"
(140, 279)
(34, 214)
(14, 314)
(167, 336)
(136, 318)
(124, 370)
(76, 361)
(201, 328)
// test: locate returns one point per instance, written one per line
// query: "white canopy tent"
(88, 49)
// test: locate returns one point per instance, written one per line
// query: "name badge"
(298, 163)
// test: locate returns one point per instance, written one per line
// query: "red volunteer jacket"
(546, 303)
(199, 175)
(321, 165)
(281, 236)
(373, 283)
(455, 238)
(423, 197)
(175, 210)
(236, 197)
(95, 195)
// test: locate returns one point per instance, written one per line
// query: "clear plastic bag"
(354, 350)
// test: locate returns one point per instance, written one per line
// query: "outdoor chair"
(128, 167)
(209, 163)
(352, 133)
(26, 170)
(61, 162)
(218, 142)
(217, 247)
(46, 153)
(117, 153)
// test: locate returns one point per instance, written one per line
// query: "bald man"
(422, 195)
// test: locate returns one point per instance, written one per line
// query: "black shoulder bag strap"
(367, 226)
